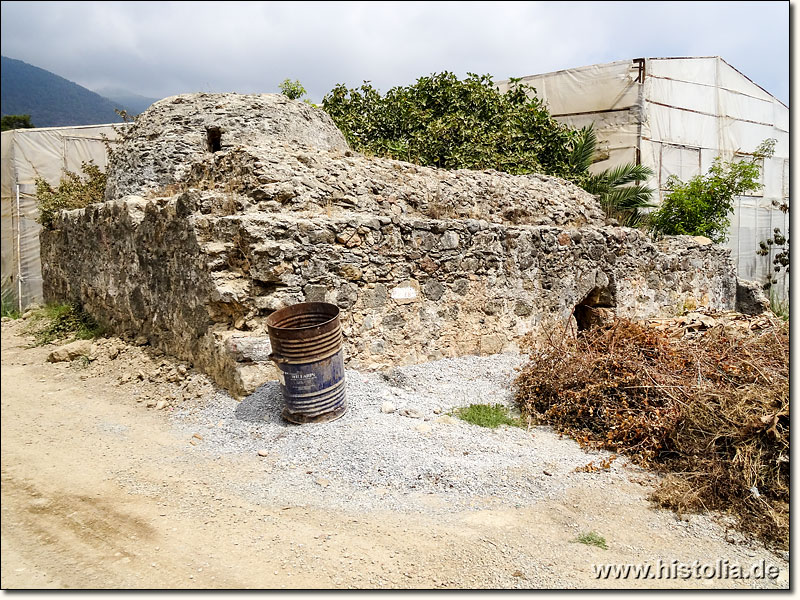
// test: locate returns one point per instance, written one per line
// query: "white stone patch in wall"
(405, 293)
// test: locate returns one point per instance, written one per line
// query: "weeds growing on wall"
(293, 90)
(445, 122)
(72, 192)
(711, 411)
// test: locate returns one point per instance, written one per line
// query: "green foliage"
(9, 122)
(10, 308)
(445, 122)
(487, 415)
(702, 205)
(293, 90)
(619, 199)
(72, 192)
(778, 306)
(57, 322)
(592, 539)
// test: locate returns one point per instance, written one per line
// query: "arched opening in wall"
(596, 308)
(214, 139)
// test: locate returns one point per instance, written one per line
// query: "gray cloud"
(162, 48)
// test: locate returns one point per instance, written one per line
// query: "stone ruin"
(221, 208)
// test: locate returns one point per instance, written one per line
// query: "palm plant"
(619, 199)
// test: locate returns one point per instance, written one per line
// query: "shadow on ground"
(262, 406)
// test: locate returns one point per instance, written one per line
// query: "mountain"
(134, 103)
(50, 100)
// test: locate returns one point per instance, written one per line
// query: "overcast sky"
(158, 49)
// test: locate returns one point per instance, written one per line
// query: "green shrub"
(702, 205)
(56, 322)
(293, 90)
(487, 415)
(445, 122)
(72, 192)
(9, 122)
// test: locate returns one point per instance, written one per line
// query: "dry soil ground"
(99, 491)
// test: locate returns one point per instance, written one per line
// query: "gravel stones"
(370, 449)
(411, 413)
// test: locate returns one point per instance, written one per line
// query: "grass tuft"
(487, 415)
(10, 307)
(56, 322)
(592, 539)
(779, 307)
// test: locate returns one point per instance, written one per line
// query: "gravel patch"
(416, 457)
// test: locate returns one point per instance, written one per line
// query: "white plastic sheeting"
(681, 115)
(607, 95)
(28, 154)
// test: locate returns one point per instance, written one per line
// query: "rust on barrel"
(306, 343)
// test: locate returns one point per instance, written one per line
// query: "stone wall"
(409, 290)
(215, 240)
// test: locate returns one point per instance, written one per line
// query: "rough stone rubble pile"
(222, 208)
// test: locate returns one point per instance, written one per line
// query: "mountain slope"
(133, 103)
(52, 101)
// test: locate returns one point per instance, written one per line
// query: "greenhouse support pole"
(19, 253)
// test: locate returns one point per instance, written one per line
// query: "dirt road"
(99, 491)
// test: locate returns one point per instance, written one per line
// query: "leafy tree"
(702, 205)
(619, 199)
(293, 90)
(72, 192)
(442, 121)
(8, 122)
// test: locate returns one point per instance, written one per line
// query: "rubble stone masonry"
(222, 208)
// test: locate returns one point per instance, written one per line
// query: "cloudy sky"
(158, 49)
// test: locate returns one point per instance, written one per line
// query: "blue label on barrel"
(313, 377)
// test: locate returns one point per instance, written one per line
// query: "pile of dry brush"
(711, 412)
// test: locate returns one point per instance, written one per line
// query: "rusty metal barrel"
(306, 343)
